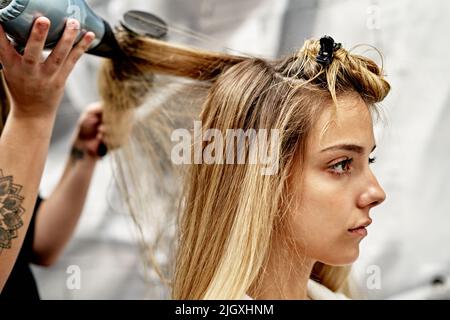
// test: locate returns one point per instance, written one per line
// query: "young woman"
(291, 234)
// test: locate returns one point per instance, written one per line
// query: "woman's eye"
(372, 160)
(342, 167)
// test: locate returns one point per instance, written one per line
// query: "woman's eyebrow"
(348, 147)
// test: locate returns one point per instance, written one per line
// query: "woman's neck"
(284, 278)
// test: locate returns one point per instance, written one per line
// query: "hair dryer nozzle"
(108, 46)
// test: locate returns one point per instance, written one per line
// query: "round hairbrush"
(144, 24)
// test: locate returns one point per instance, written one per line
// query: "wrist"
(33, 127)
(33, 117)
(78, 153)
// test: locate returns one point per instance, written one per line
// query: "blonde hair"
(231, 213)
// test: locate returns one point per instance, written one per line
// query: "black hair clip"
(327, 49)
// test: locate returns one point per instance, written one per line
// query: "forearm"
(35, 88)
(23, 150)
(59, 214)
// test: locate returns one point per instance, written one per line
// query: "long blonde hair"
(231, 213)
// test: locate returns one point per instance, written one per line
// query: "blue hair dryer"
(17, 18)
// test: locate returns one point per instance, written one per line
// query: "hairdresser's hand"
(37, 86)
(90, 133)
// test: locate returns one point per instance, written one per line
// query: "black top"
(21, 283)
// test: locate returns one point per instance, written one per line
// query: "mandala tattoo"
(11, 211)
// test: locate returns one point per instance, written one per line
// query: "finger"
(63, 48)
(95, 108)
(76, 54)
(96, 114)
(90, 121)
(8, 55)
(88, 118)
(36, 43)
(102, 129)
(92, 146)
(89, 129)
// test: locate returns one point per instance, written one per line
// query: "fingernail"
(90, 36)
(42, 25)
(73, 24)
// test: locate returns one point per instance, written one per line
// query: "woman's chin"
(351, 256)
(345, 258)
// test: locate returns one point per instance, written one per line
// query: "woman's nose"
(373, 194)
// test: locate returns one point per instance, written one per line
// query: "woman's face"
(335, 191)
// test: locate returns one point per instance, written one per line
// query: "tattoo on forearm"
(76, 154)
(11, 210)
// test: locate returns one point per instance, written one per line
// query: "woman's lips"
(361, 231)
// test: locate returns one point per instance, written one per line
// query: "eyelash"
(345, 164)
